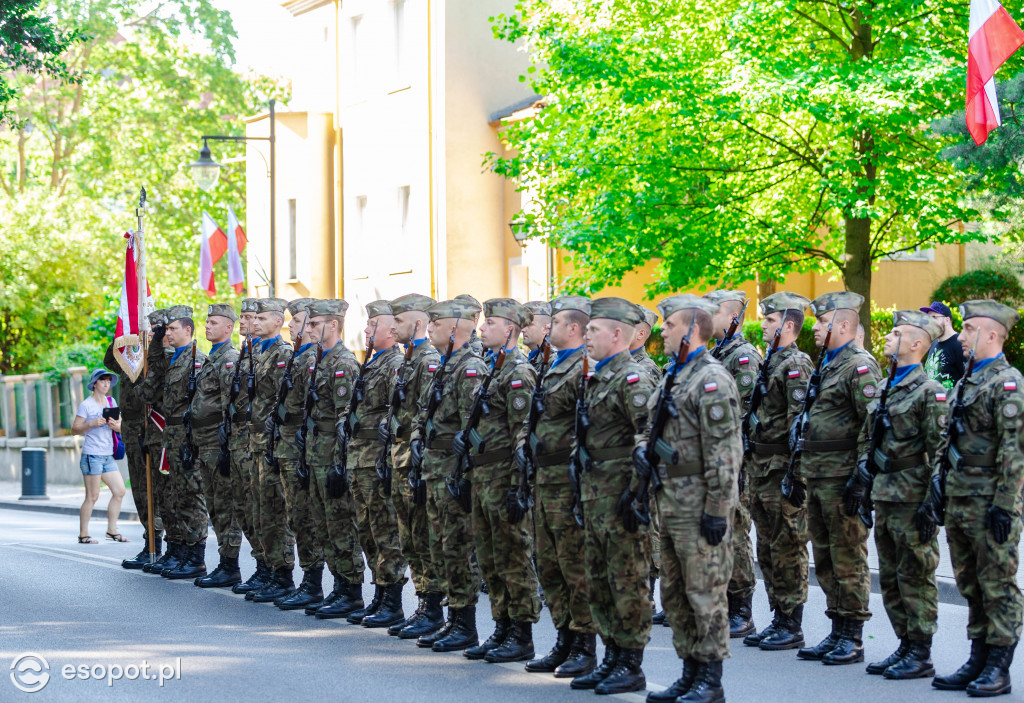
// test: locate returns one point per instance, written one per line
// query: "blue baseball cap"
(938, 307)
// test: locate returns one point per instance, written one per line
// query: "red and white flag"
(211, 248)
(127, 344)
(236, 245)
(992, 38)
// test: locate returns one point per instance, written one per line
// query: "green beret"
(1003, 314)
(579, 303)
(842, 300)
(725, 296)
(222, 310)
(508, 309)
(917, 318)
(271, 305)
(783, 301)
(650, 317)
(178, 312)
(675, 303)
(411, 302)
(299, 305)
(538, 307)
(618, 309)
(378, 307)
(453, 310)
(465, 297)
(249, 304)
(331, 307)
(158, 317)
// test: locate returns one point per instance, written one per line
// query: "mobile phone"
(111, 413)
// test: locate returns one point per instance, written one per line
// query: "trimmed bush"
(978, 285)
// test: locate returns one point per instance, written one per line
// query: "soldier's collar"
(607, 360)
(265, 344)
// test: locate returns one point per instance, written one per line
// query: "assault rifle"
(224, 434)
(278, 415)
(748, 428)
(383, 464)
(347, 427)
(877, 460)
(580, 460)
(359, 388)
(187, 451)
(308, 403)
(737, 319)
(520, 499)
(419, 487)
(800, 425)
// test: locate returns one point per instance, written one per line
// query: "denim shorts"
(94, 464)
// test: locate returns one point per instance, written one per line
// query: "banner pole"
(143, 284)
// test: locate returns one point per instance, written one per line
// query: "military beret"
(538, 307)
(1003, 314)
(411, 302)
(222, 310)
(178, 312)
(671, 305)
(618, 309)
(917, 318)
(332, 307)
(579, 303)
(453, 309)
(378, 307)
(465, 297)
(725, 296)
(271, 305)
(158, 317)
(783, 301)
(842, 300)
(508, 309)
(249, 304)
(299, 305)
(650, 317)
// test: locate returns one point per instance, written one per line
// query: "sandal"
(116, 537)
(86, 540)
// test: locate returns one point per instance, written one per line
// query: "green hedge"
(979, 285)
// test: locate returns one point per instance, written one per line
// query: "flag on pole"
(127, 343)
(236, 245)
(993, 37)
(211, 248)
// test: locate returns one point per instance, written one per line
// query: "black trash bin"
(33, 474)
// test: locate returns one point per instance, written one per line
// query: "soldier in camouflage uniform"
(451, 539)
(617, 549)
(475, 345)
(849, 381)
(207, 408)
(535, 332)
(411, 321)
(781, 526)
(743, 361)
(983, 500)
(504, 548)
(697, 498)
(560, 541)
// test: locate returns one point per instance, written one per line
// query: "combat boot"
(582, 657)
(994, 679)
(281, 584)
(329, 599)
(878, 668)
(517, 646)
(426, 641)
(412, 619)
(971, 669)
(558, 654)
(683, 684)
(140, 560)
(588, 681)
(430, 621)
(357, 616)
(226, 574)
(194, 565)
(849, 647)
(463, 633)
(755, 637)
(254, 582)
(659, 618)
(708, 686)
(627, 675)
(816, 652)
(786, 633)
(741, 623)
(310, 591)
(170, 557)
(916, 663)
(179, 557)
(501, 629)
(389, 611)
(349, 600)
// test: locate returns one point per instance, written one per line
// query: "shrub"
(981, 284)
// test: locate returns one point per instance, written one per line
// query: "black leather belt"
(554, 458)
(830, 445)
(606, 453)
(767, 449)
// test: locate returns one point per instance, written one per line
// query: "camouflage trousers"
(655, 537)
(451, 545)
(906, 571)
(695, 575)
(618, 566)
(781, 543)
(188, 506)
(504, 550)
(335, 520)
(986, 572)
(136, 457)
(414, 534)
(743, 580)
(299, 508)
(840, 546)
(560, 542)
(220, 503)
(278, 540)
(244, 496)
(378, 527)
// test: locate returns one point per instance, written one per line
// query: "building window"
(399, 56)
(293, 263)
(915, 254)
(357, 53)
(401, 262)
(360, 245)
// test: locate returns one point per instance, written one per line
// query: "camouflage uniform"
(242, 469)
(648, 364)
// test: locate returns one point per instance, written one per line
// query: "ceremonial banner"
(236, 245)
(211, 248)
(127, 344)
(993, 37)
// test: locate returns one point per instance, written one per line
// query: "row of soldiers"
(583, 468)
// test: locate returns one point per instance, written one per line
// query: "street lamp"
(206, 171)
(520, 227)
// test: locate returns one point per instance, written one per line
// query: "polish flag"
(993, 37)
(211, 248)
(127, 342)
(236, 245)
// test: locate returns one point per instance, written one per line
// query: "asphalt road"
(74, 606)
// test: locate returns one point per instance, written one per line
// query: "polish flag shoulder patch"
(589, 374)
(632, 378)
(744, 359)
(941, 397)
(282, 364)
(337, 374)
(516, 383)
(229, 364)
(709, 387)
(431, 368)
(471, 373)
(311, 369)
(862, 369)
(1009, 385)
(794, 373)
(198, 364)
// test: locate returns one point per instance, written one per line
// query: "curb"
(44, 507)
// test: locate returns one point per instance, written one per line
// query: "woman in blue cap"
(98, 419)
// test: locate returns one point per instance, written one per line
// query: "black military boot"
(517, 647)
(412, 619)
(878, 668)
(971, 669)
(816, 652)
(254, 582)
(786, 633)
(426, 641)
(194, 566)
(683, 684)
(430, 621)
(626, 676)
(994, 679)
(582, 657)
(708, 686)
(849, 647)
(599, 674)
(501, 629)
(741, 621)
(140, 560)
(281, 584)
(916, 663)
(558, 654)
(356, 616)
(659, 618)
(329, 599)
(390, 610)
(180, 556)
(348, 601)
(170, 558)
(463, 633)
(226, 574)
(755, 637)
(310, 591)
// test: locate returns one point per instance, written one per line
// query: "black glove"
(269, 426)
(224, 461)
(924, 518)
(794, 434)
(625, 511)
(223, 435)
(522, 463)
(516, 512)
(459, 444)
(640, 463)
(853, 494)
(419, 490)
(186, 417)
(158, 335)
(713, 529)
(337, 482)
(302, 473)
(1000, 521)
(741, 481)
(416, 449)
(797, 493)
(383, 433)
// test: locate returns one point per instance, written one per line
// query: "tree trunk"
(857, 272)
